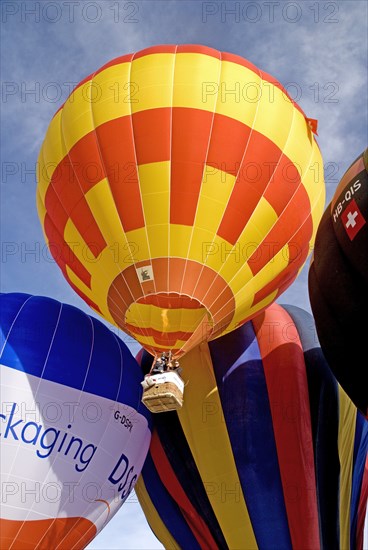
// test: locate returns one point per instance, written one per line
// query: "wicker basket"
(164, 396)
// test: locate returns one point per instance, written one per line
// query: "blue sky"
(318, 50)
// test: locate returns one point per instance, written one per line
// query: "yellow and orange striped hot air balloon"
(179, 189)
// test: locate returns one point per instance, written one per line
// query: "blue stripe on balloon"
(28, 342)
(62, 344)
(8, 312)
(167, 508)
(360, 453)
(242, 388)
(70, 345)
(125, 378)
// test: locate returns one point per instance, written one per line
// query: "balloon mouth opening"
(175, 323)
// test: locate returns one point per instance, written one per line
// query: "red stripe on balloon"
(229, 138)
(53, 205)
(81, 294)
(161, 338)
(191, 130)
(233, 58)
(287, 385)
(171, 300)
(162, 48)
(170, 481)
(194, 133)
(74, 176)
(58, 533)
(85, 163)
(152, 135)
(197, 48)
(63, 254)
(253, 178)
(297, 231)
(117, 61)
(279, 283)
(139, 357)
(284, 182)
(115, 139)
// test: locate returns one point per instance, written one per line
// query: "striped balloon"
(179, 189)
(338, 282)
(74, 434)
(268, 451)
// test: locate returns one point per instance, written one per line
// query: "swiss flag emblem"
(352, 219)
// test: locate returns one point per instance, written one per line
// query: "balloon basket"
(163, 392)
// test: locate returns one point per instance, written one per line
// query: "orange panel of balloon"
(267, 452)
(179, 189)
(338, 282)
(74, 435)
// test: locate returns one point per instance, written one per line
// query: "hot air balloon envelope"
(175, 207)
(74, 435)
(338, 282)
(267, 452)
